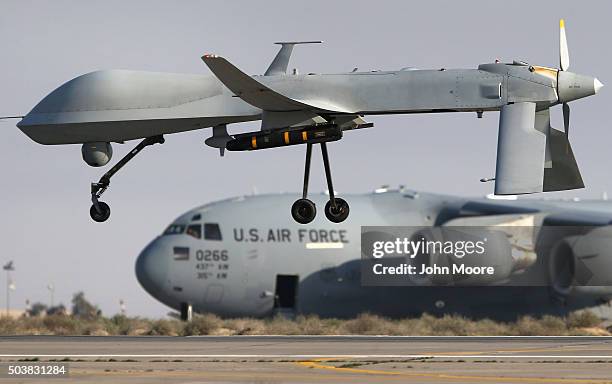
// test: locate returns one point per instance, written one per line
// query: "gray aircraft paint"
(118, 105)
(64, 39)
(114, 106)
(329, 283)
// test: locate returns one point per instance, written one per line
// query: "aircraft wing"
(261, 96)
(549, 212)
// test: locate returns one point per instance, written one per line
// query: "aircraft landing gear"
(336, 209)
(304, 210)
(339, 213)
(100, 211)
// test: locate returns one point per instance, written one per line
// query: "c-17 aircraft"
(220, 258)
(102, 107)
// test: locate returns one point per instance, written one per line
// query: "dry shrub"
(63, 325)
(119, 325)
(577, 323)
(546, 326)
(488, 327)
(583, 319)
(130, 326)
(313, 325)
(95, 329)
(246, 326)
(138, 327)
(553, 325)
(280, 325)
(8, 326)
(32, 326)
(162, 327)
(367, 324)
(202, 325)
(415, 326)
(451, 325)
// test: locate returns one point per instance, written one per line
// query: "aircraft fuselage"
(222, 260)
(119, 105)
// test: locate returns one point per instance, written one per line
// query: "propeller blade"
(566, 123)
(563, 51)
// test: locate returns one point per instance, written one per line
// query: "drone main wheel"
(303, 211)
(102, 215)
(339, 213)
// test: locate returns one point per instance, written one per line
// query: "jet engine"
(477, 256)
(581, 260)
(97, 154)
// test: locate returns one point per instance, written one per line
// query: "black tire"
(338, 214)
(102, 216)
(303, 211)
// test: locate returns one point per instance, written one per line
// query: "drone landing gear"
(336, 209)
(100, 211)
(304, 210)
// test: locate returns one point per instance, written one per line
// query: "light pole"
(51, 289)
(8, 267)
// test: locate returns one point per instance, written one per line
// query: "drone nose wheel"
(303, 211)
(337, 213)
(100, 213)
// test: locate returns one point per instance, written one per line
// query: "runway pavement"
(300, 359)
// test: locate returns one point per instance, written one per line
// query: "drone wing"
(260, 95)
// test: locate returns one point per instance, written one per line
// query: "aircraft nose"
(152, 268)
(597, 85)
(572, 86)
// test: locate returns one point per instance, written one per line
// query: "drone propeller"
(563, 66)
(571, 86)
(563, 51)
(566, 123)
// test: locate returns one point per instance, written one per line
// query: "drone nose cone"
(572, 86)
(597, 85)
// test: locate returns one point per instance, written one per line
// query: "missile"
(283, 137)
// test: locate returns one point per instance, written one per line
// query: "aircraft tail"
(531, 155)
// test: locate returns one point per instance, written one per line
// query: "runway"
(299, 359)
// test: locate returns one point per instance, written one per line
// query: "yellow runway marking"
(442, 376)
(316, 364)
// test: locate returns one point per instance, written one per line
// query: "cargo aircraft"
(219, 258)
(114, 106)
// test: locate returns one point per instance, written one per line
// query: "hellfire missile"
(284, 137)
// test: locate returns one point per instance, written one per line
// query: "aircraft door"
(285, 293)
(258, 287)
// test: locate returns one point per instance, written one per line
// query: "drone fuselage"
(118, 105)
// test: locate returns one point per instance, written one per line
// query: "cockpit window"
(174, 229)
(196, 217)
(212, 231)
(194, 230)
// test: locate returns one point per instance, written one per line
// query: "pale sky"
(44, 190)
